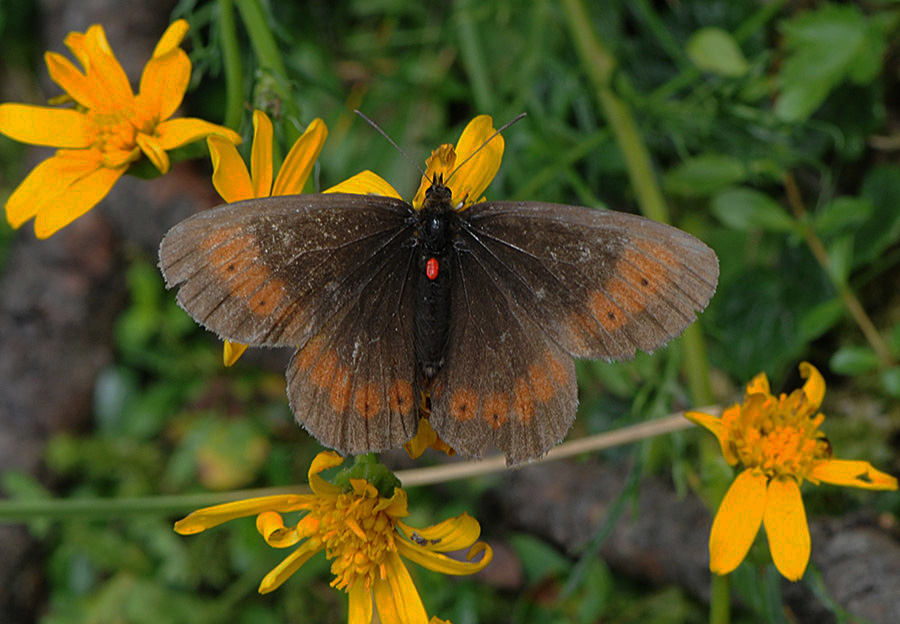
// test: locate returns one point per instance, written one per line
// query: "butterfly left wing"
(537, 283)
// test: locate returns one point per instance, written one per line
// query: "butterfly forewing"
(601, 284)
(273, 271)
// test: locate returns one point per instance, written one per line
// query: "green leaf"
(748, 209)
(881, 188)
(840, 214)
(704, 175)
(890, 380)
(854, 360)
(825, 47)
(715, 50)
(840, 257)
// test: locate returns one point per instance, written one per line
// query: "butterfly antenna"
(391, 141)
(482, 146)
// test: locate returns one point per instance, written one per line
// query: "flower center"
(778, 436)
(115, 135)
(357, 536)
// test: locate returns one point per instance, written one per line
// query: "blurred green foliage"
(732, 98)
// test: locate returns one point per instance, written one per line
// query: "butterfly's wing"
(535, 283)
(330, 274)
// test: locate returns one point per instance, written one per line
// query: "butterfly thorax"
(436, 230)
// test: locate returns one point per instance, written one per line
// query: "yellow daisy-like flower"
(467, 183)
(777, 440)
(361, 530)
(107, 130)
(235, 183)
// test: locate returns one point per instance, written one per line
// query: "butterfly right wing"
(323, 273)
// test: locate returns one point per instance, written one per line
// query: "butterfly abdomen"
(434, 236)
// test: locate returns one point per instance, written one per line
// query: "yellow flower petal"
(75, 42)
(786, 528)
(737, 522)
(72, 81)
(154, 152)
(44, 184)
(360, 609)
(444, 564)
(164, 82)
(365, 183)
(472, 178)
(300, 160)
(852, 473)
(270, 525)
(104, 70)
(183, 130)
(40, 125)
(210, 517)
(172, 38)
(261, 155)
(230, 175)
(283, 571)
(437, 166)
(814, 388)
(396, 596)
(451, 534)
(74, 200)
(232, 351)
(323, 461)
(758, 385)
(717, 427)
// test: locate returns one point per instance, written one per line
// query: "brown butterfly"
(479, 306)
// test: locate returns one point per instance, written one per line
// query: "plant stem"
(60, 509)
(599, 64)
(231, 59)
(720, 599)
(848, 298)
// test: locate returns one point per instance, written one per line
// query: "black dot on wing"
(230, 268)
(644, 281)
(611, 315)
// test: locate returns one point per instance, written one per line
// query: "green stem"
(231, 59)
(720, 599)
(270, 62)
(599, 63)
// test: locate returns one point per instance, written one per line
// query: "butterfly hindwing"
(353, 384)
(504, 381)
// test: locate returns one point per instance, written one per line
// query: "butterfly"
(480, 307)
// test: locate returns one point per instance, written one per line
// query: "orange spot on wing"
(265, 300)
(400, 397)
(368, 400)
(541, 385)
(463, 404)
(308, 354)
(496, 409)
(339, 398)
(606, 312)
(323, 372)
(583, 329)
(644, 273)
(523, 401)
(219, 236)
(627, 297)
(250, 280)
(556, 368)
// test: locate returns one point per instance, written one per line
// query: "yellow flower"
(107, 130)
(466, 184)
(475, 173)
(361, 530)
(777, 440)
(234, 183)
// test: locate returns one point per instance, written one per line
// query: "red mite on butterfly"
(478, 306)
